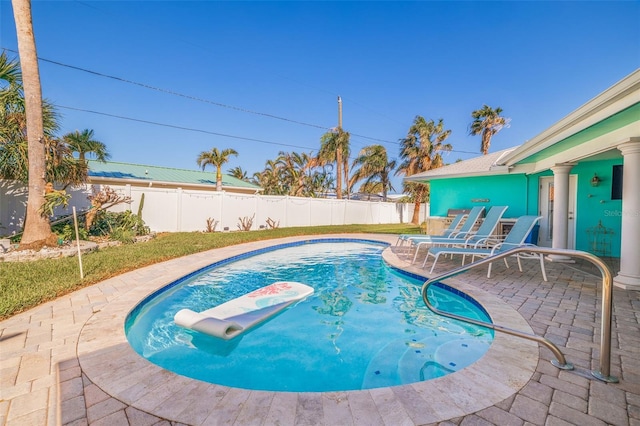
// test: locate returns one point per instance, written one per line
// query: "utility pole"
(339, 152)
(339, 112)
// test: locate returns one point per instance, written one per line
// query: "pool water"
(364, 327)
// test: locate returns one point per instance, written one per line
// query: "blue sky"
(225, 67)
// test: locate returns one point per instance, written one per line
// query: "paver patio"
(67, 361)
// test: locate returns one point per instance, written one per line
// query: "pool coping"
(110, 363)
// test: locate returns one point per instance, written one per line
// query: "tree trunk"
(416, 213)
(346, 176)
(37, 231)
(218, 178)
(416, 208)
(339, 174)
(486, 141)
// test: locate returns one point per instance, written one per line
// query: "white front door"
(545, 204)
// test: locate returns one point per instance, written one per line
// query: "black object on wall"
(616, 183)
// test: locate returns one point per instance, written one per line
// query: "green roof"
(115, 170)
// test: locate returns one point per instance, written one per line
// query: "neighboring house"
(113, 173)
(166, 188)
(582, 175)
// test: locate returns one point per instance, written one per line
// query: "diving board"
(236, 316)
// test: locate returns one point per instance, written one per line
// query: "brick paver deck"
(67, 362)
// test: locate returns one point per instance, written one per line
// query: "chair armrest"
(493, 241)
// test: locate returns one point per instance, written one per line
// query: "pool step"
(421, 358)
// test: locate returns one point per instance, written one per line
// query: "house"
(582, 175)
(120, 174)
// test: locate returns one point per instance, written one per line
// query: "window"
(616, 183)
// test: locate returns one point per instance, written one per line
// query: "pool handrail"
(603, 373)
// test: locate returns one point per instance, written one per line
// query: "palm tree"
(14, 162)
(322, 182)
(421, 151)
(297, 172)
(10, 89)
(83, 143)
(13, 146)
(61, 167)
(334, 148)
(238, 173)
(375, 169)
(37, 231)
(488, 122)
(216, 158)
(270, 179)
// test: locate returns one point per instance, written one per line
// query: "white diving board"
(236, 316)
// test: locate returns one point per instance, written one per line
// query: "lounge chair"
(446, 233)
(470, 238)
(464, 231)
(515, 238)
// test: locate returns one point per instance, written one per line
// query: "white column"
(629, 275)
(560, 210)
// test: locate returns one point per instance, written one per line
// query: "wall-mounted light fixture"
(595, 180)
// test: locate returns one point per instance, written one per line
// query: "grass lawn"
(24, 285)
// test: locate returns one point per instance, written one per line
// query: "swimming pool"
(365, 327)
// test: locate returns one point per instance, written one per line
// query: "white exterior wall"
(180, 210)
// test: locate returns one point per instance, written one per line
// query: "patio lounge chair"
(516, 238)
(464, 231)
(470, 238)
(446, 233)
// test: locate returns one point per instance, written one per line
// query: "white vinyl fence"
(177, 209)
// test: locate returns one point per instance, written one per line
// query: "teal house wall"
(598, 217)
(487, 191)
(598, 221)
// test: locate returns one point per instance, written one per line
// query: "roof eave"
(168, 183)
(498, 170)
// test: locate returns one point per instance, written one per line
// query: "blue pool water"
(365, 326)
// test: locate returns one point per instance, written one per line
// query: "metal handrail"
(560, 361)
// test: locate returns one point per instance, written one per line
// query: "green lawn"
(24, 285)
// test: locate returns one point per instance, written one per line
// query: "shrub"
(67, 232)
(246, 223)
(211, 225)
(120, 224)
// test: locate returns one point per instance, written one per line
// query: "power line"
(195, 98)
(191, 129)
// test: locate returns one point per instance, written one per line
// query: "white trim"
(595, 146)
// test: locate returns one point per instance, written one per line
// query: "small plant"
(66, 232)
(272, 224)
(140, 206)
(53, 199)
(246, 223)
(211, 225)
